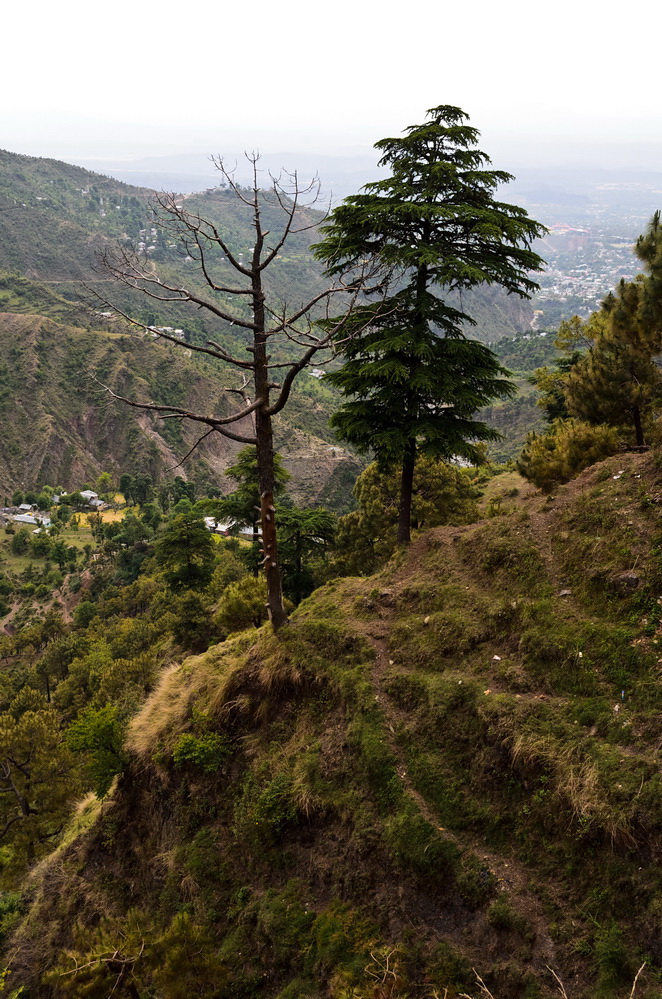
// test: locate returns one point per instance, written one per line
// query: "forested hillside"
(54, 218)
(449, 766)
(54, 221)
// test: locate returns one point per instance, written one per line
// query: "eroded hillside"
(450, 766)
(60, 426)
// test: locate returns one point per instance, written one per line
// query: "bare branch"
(203, 267)
(289, 219)
(114, 960)
(242, 391)
(191, 450)
(216, 423)
(7, 826)
(302, 311)
(131, 273)
(562, 991)
(286, 387)
(225, 356)
(484, 991)
(634, 984)
(218, 352)
(194, 223)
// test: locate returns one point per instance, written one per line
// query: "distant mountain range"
(55, 339)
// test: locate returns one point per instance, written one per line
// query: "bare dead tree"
(265, 384)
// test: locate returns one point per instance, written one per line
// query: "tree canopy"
(607, 388)
(413, 379)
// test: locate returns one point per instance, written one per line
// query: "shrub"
(559, 455)
(99, 734)
(208, 752)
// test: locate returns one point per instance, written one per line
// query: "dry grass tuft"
(270, 675)
(233, 680)
(577, 781)
(166, 713)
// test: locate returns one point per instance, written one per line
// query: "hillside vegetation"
(59, 425)
(56, 217)
(449, 766)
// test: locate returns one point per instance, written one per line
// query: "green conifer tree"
(414, 380)
(617, 381)
(186, 551)
(243, 505)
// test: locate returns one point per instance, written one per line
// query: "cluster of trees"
(154, 593)
(393, 253)
(46, 546)
(606, 389)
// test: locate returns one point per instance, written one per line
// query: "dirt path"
(512, 877)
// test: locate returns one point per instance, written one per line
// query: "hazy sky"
(80, 79)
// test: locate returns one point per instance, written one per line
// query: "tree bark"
(406, 493)
(409, 455)
(265, 445)
(265, 471)
(638, 429)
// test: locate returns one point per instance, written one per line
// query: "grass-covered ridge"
(451, 765)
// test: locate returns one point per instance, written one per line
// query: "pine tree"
(414, 380)
(617, 381)
(243, 505)
(186, 551)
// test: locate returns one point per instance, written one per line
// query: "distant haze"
(148, 94)
(178, 158)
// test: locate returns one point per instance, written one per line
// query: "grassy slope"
(452, 764)
(59, 426)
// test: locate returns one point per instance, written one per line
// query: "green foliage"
(242, 605)
(304, 540)
(84, 613)
(377, 761)
(451, 970)
(11, 909)
(551, 383)
(185, 549)
(503, 917)
(20, 542)
(614, 956)
(613, 382)
(265, 807)
(442, 494)
(228, 568)
(417, 845)
(100, 735)
(243, 505)
(416, 382)
(617, 381)
(177, 959)
(39, 775)
(207, 752)
(341, 937)
(550, 459)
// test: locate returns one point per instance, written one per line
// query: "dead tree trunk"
(308, 327)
